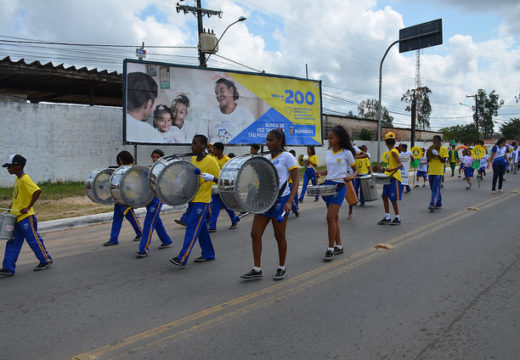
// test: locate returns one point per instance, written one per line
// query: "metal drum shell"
(381, 178)
(183, 184)
(98, 179)
(121, 191)
(321, 190)
(7, 221)
(239, 191)
(368, 187)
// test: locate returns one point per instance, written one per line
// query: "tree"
(368, 109)
(366, 134)
(422, 104)
(464, 134)
(486, 107)
(511, 129)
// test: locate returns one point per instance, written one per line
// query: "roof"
(46, 82)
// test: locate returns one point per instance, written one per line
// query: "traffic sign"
(420, 36)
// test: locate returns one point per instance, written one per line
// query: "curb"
(63, 224)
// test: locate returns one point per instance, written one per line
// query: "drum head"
(249, 184)
(174, 181)
(97, 186)
(129, 185)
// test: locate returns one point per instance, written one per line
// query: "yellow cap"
(389, 135)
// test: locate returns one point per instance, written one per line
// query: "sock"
(257, 269)
(339, 246)
(281, 267)
(330, 249)
(398, 217)
(387, 216)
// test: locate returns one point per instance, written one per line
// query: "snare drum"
(97, 186)
(368, 187)
(7, 222)
(249, 183)
(129, 186)
(174, 180)
(381, 178)
(321, 190)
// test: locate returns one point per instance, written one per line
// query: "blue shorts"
(481, 169)
(468, 172)
(422, 173)
(277, 209)
(341, 192)
(394, 190)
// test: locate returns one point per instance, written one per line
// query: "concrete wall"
(64, 142)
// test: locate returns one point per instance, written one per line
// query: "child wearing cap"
(25, 194)
(392, 191)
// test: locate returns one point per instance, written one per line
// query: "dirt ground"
(65, 208)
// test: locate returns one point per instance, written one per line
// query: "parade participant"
(403, 149)
(123, 211)
(198, 207)
(498, 160)
(152, 221)
(363, 167)
(310, 171)
(453, 156)
(294, 205)
(25, 194)
(255, 148)
(286, 167)
(482, 168)
(514, 157)
(216, 202)
(422, 169)
(339, 158)
(437, 155)
(467, 160)
(393, 190)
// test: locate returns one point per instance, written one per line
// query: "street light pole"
(475, 117)
(240, 19)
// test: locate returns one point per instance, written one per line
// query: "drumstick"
(281, 217)
(197, 171)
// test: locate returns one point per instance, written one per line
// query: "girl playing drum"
(339, 157)
(286, 167)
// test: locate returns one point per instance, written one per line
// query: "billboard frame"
(263, 74)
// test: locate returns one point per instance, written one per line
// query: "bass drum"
(174, 180)
(97, 186)
(249, 183)
(129, 186)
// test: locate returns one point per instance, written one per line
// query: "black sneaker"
(5, 273)
(296, 213)
(202, 259)
(182, 223)
(384, 221)
(43, 266)
(176, 261)
(252, 275)
(280, 274)
(431, 208)
(329, 255)
(138, 238)
(233, 226)
(338, 250)
(109, 243)
(396, 222)
(212, 230)
(140, 255)
(164, 246)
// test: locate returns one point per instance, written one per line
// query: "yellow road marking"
(283, 290)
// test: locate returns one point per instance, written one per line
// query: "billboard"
(168, 104)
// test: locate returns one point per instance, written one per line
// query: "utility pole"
(413, 112)
(475, 116)
(199, 12)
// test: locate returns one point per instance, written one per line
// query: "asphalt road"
(449, 288)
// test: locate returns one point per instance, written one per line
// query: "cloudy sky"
(341, 41)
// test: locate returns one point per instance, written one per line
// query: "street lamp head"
(242, 18)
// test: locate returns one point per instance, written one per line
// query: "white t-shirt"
(467, 160)
(423, 166)
(283, 162)
(338, 164)
(224, 127)
(141, 131)
(483, 161)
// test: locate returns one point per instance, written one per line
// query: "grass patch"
(51, 191)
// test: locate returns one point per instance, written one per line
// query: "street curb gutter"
(62, 224)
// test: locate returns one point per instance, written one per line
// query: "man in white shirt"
(141, 98)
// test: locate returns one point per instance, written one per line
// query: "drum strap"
(282, 189)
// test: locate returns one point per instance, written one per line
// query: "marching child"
(422, 170)
(482, 169)
(25, 194)
(467, 160)
(392, 191)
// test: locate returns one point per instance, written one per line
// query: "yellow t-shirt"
(436, 167)
(207, 165)
(362, 166)
(24, 188)
(392, 163)
(314, 160)
(223, 161)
